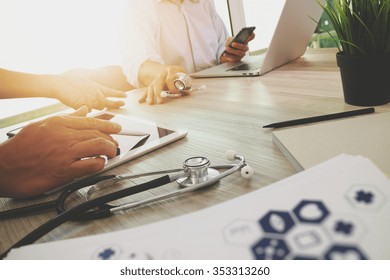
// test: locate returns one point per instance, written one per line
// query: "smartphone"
(243, 35)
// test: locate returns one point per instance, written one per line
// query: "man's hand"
(237, 51)
(163, 81)
(76, 91)
(54, 151)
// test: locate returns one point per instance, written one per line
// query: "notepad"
(368, 135)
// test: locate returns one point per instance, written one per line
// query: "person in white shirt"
(164, 37)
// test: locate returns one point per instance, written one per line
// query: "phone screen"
(243, 34)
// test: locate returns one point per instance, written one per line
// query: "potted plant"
(363, 33)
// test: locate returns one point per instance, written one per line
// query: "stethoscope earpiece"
(247, 172)
(230, 155)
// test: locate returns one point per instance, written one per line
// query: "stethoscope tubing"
(105, 210)
(74, 212)
(27, 210)
(231, 169)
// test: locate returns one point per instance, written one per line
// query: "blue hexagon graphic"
(270, 249)
(344, 252)
(276, 222)
(311, 211)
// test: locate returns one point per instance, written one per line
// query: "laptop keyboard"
(248, 66)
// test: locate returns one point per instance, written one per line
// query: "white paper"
(338, 209)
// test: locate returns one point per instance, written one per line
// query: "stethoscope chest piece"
(198, 171)
(182, 81)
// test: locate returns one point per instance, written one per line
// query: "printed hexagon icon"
(345, 228)
(365, 197)
(270, 249)
(309, 240)
(276, 222)
(344, 252)
(311, 211)
(241, 232)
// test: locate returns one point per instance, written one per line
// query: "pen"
(132, 133)
(321, 118)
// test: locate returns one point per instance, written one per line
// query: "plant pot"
(365, 79)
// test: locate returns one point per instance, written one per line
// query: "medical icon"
(365, 197)
(270, 249)
(276, 222)
(311, 211)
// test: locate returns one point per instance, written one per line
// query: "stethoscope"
(183, 83)
(196, 174)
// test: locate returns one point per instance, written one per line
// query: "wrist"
(50, 85)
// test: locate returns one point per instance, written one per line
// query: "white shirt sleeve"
(221, 31)
(140, 29)
(191, 35)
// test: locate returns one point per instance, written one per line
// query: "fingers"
(85, 123)
(143, 96)
(226, 57)
(152, 93)
(89, 156)
(236, 51)
(80, 112)
(81, 168)
(172, 71)
(164, 81)
(92, 134)
(110, 104)
(100, 100)
(92, 148)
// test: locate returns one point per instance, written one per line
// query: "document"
(338, 209)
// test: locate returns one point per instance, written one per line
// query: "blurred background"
(52, 36)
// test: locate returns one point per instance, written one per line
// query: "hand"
(54, 151)
(163, 81)
(75, 91)
(237, 51)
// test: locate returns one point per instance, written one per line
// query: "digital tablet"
(138, 137)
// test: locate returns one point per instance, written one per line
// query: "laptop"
(293, 32)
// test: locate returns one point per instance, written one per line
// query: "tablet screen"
(138, 132)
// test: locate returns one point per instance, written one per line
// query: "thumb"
(80, 112)
(228, 41)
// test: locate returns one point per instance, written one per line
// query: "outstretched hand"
(76, 91)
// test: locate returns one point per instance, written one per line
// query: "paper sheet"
(336, 210)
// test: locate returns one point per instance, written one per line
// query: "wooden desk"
(228, 115)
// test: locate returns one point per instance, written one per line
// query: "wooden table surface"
(228, 115)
